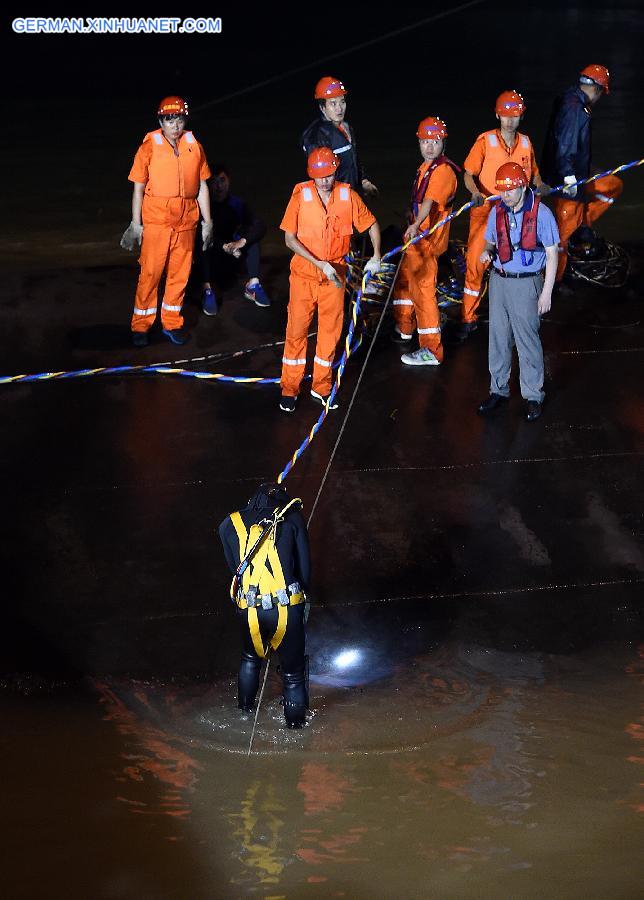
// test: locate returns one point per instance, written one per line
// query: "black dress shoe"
(464, 330)
(140, 338)
(564, 289)
(533, 410)
(491, 403)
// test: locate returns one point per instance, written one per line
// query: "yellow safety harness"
(260, 576)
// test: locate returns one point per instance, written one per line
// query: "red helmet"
(510, 103)
(328, 87)
(510, 176)
(173, 106)
(432, 129)
(599, 75)
(322, 162)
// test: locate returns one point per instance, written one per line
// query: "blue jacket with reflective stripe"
(567, 145)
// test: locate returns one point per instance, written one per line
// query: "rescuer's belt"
(516, 274)
(253, 599)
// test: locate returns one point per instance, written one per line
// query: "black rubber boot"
(295, 699)
(248, 681)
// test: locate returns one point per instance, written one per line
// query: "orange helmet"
(328, 87)
(599, 75)
(173, 106)
(432, 129)
(509, 103)
(322, 162)
(510, 176)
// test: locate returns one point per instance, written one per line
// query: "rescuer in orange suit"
(170, 191)
(491, 150)
(415, 292)
(318, 224)
(566, 158)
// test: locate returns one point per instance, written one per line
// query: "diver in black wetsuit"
(267, 548)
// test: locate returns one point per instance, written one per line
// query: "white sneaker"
(420, 357)
(324, 400)
(402, 335)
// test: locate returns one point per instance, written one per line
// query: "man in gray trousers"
(521, 237)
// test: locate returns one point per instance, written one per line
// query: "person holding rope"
(414, 295)
(318, 224)
(566, 159)
(521, 238)
(267, 548)
(490, 150)
(169, 173)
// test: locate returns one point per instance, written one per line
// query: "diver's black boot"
(248, 681)
(295, 699)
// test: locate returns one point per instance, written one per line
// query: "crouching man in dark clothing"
(236, 245)
(267, 548)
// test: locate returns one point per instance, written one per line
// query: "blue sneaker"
(257, 294)
(176, 335)
(209, 303)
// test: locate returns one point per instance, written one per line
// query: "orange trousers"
(306, 295)
(571, 214)
(163, 250)
(475, 268)
(414, 300)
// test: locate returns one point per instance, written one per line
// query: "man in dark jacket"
(267, 548)
(331, 130)
(566, 158)
(236, 239)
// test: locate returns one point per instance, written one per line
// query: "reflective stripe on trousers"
(162, 250)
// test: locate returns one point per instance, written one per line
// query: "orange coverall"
(326, 234)
(170, 216)
(570, 214)
(488, 153)
(415, 292)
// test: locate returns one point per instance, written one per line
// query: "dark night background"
(81, 104)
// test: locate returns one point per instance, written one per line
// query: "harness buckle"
(267, 601)
(294, 588)
(251, 596)
(282, 597)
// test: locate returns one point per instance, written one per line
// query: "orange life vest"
(496, 153)
(326, 233)
(170, 174)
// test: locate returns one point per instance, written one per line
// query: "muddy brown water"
(489, 774)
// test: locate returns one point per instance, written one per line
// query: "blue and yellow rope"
(356, 309)
(383, 278)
